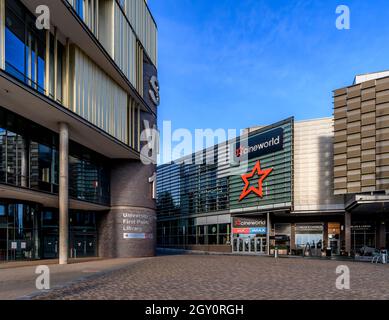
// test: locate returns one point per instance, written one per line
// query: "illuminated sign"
(259, 230)
(249, 225)
(261, 144)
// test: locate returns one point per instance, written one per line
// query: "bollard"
(384, 256)
(276, 253)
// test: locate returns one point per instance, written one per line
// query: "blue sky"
(235, 64)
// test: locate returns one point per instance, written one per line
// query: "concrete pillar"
(325, 235)
(63, 193)
(347, 231)
(292, 236)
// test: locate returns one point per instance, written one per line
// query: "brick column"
(129, 228)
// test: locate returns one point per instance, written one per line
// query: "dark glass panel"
(3, 154)
(15, 48)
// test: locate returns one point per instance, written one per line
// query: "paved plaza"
(183, 277)
(18, 279)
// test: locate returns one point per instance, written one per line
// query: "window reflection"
(25, 51)
(29, 158)
(25, 46)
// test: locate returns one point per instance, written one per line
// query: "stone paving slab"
(19, 282)
(211, 277)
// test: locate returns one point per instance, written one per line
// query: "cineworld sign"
(261, 144)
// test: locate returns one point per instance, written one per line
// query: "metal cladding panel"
(145, 28)
(124, 45)
(277, 187)
(97, 98)
(361, 135)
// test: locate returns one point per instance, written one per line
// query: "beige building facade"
(361, 159)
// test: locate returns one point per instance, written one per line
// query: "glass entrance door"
(84, 246)
(260, 245)
(50, 247)
(254, 245)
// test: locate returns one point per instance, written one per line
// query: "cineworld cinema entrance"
(250, 235)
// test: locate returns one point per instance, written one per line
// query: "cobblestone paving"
(182, 277)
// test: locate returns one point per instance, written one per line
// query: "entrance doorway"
(50, 247)
(255, 245)
(84, 246)
(334, 237)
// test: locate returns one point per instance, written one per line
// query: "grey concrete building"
(75, 95)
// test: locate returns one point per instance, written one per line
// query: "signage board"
(260, 230)
(309, 228)
(260, 144)
(245, 222)
(249, 225)
(137, 235)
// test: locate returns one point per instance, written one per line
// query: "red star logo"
(262, 176)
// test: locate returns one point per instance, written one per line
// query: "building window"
(29, 158)
(79, 6)
(363, 233)
(224, 234)
(122, 4)
(212, 234)
(309, 233)
(24, 46)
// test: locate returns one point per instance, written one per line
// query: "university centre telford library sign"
(264, 181)
(244, 225)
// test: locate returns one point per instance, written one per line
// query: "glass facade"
(186, 192)
(29, 159)
(29, 232)
(184, 232)
(25, 50)
(191, 189)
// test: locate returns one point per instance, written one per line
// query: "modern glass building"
(75, 96)
(272, 187)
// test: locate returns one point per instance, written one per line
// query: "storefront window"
(200, 235)
(28, 233)
(18, 232)
(224, 233)
(363, 234)
(212, 234)
(311, 234)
